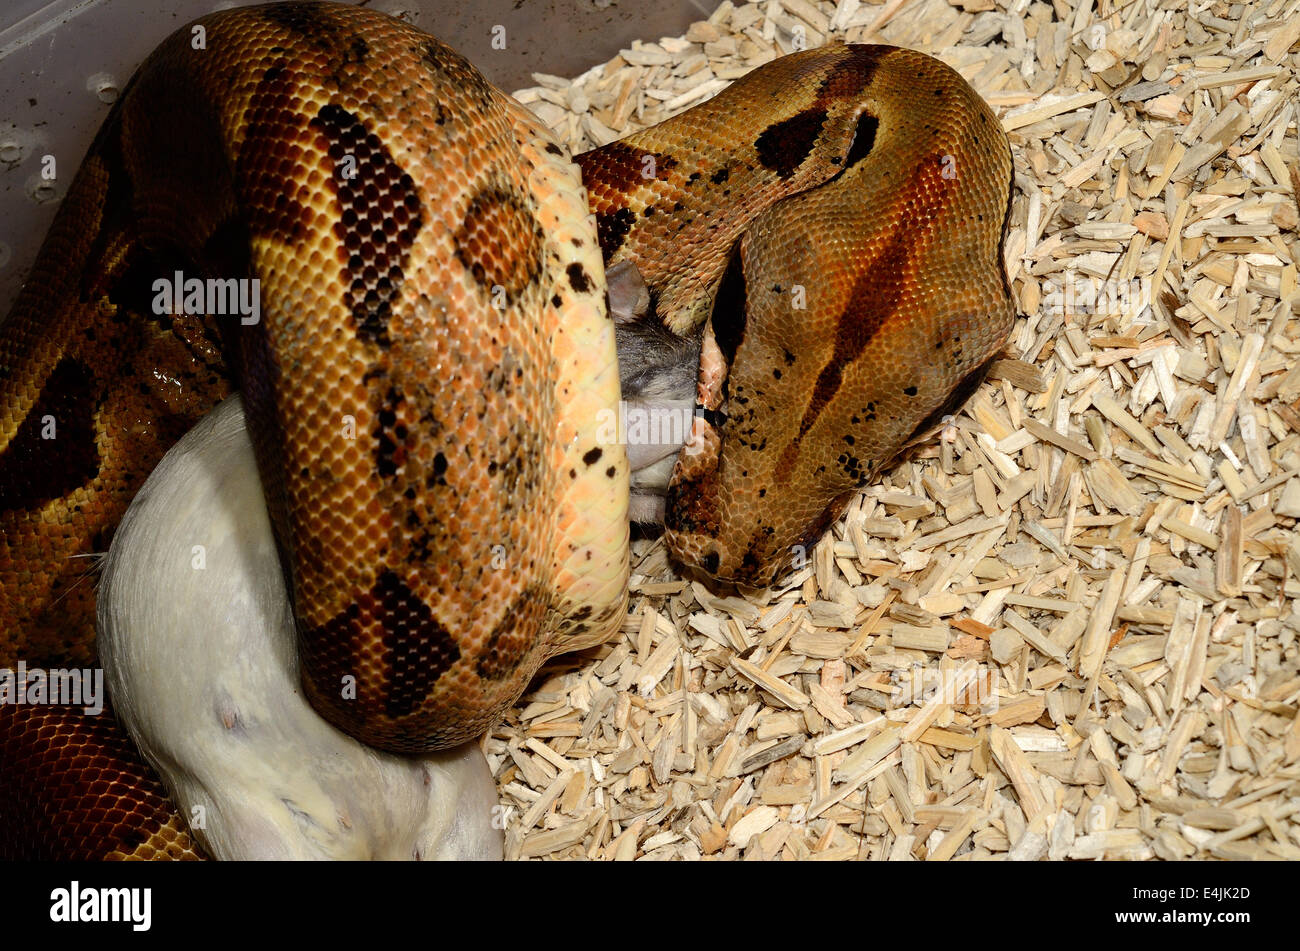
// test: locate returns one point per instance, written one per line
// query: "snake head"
(809, 415)
(850, 318)
(755, 486)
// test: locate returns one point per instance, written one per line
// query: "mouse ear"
(629, 298)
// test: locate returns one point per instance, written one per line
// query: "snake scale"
(816, 252)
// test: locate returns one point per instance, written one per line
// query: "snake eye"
(710, 562)
(713, 417)
(729, 307)
(864, 138)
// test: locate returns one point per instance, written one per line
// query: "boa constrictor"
(813, 257)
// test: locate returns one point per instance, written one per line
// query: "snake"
(403, 275)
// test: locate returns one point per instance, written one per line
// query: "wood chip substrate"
(1067, 628)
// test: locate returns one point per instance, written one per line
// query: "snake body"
(433, 360)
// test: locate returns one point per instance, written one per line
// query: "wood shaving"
(1067, 630)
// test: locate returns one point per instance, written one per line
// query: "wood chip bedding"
(1067, 628)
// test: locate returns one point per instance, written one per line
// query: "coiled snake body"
(426, 377)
